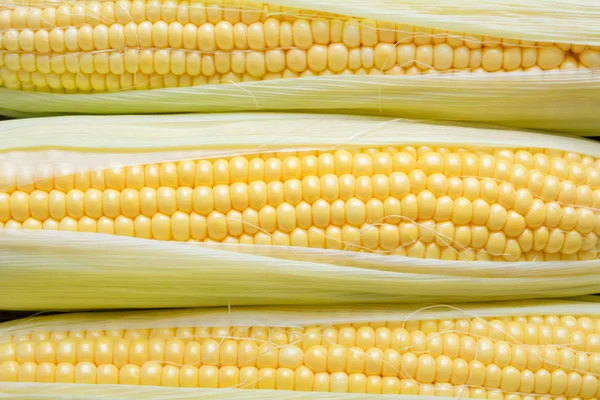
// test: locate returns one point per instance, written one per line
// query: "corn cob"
(483, 352)
(147, 44)
(422, 201)
(290, 209)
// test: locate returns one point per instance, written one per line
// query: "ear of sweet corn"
(518, 350)
(378, 191)
(324, 56)
(359, 208)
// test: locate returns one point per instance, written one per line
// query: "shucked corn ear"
(127, 45)
(373, 195)
(518, 350)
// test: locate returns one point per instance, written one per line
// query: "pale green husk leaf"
(553, 101)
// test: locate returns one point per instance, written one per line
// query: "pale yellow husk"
(58, 391)
(298, 315)
(259, 316)
(564, 101)
(559, 101)
(68, 270)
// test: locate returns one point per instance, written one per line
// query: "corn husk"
(259, 316)
(296, 316)
(61, 391)
(61, 270)
(553, 101)
(558, 101)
